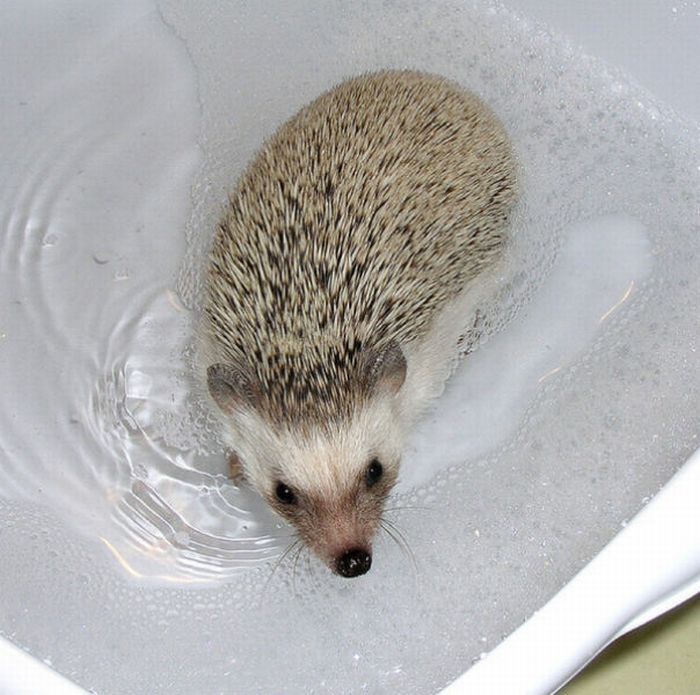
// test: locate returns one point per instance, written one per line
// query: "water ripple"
(104, 424)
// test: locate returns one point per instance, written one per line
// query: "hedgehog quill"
(340, 280)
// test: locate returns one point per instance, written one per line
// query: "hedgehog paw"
(235, 468)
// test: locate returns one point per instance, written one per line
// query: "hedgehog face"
(329, 480)
(339, 528)
(332, 487)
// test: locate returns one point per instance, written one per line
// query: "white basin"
(132, 565)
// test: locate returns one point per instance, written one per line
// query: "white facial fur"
(326, 469)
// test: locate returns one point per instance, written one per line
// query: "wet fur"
(359, 219)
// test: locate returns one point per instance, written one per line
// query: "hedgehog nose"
(354, 563)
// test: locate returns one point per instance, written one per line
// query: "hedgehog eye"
(375, 471)
(285, 494)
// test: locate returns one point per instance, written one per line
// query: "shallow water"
(600, 264)
(123, 135)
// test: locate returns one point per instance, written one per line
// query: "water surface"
(125, 128)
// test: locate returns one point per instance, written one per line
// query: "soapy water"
(599, 265)
(131, 127)
(161, 492)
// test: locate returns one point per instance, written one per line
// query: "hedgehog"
(340, 279)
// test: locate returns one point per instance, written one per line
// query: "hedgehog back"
(354, 224)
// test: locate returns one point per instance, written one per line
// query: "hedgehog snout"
(353, 563)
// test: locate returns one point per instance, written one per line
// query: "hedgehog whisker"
(410, 509)
(396, 540)
(390, 534)
(309, 568)
(397, 536)
(391, 529)
(301, 549)
(295, 542)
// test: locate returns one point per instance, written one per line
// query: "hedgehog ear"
(385, 371)
(232, 386)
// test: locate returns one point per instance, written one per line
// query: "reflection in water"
(619, 303)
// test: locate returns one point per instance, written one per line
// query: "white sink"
(132, 565)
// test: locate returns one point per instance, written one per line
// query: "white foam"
(601, 263)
